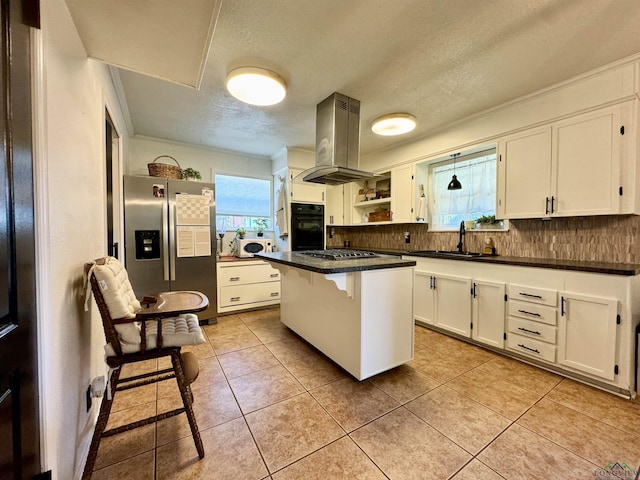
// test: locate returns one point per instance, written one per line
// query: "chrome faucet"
(461, 238)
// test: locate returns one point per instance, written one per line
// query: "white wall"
(208, 161)
(71, 93)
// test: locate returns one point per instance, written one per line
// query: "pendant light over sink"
(454, 184)
(256, 86)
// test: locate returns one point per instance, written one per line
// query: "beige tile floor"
(271, 406)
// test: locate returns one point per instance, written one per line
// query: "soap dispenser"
(489, 247)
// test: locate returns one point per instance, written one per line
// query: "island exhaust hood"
(337, 142)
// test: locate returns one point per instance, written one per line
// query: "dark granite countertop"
(625, 269)
(319, 265)
(576, 265)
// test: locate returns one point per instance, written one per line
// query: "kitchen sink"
(448, 253)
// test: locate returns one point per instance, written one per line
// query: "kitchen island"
(357, 311)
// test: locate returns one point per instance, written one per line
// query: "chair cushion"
(176, 332)
(116, 289)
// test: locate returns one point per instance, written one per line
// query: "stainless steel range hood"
(337, 142)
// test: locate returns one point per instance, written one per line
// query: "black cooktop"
(339, 254)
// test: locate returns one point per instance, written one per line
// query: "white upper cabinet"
(402, 195)
(305, 192)
(569, 168)
(386, 198)
(586, 164)
(524, 174)
(334, 204)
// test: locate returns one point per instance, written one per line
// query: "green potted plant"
(191, 174)
(241, 232)
(261, 224)
(487, 221)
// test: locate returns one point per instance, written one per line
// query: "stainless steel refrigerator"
(170, 237)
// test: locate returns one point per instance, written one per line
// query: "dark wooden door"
(19, 423)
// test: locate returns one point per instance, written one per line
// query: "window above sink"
(476, 170)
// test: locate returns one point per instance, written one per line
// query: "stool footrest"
(141, 423)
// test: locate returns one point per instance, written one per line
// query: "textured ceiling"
(441, 60)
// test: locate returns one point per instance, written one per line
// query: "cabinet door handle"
(546, 206)
(529, 295)
(274, 294)
(234, 299)
(562, 310)
(234, 279)
(529, 331)
(473, 291)
(273, 275)
(529, 313)
(529, 348)
(553, 199)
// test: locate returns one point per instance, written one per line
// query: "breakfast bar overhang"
(358, 312)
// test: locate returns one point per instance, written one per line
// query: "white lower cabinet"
(532, 321)
(423, 297)
(452, 303)
(488, 313)
(247, 284)
(587, 334)
(443, 301)
(531, 347)
(579, 324)
(469, 308)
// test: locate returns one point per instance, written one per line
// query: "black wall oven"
(307, 226)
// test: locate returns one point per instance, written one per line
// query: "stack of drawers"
(532, 322)
(247, 284)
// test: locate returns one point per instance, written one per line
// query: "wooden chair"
(135, 334)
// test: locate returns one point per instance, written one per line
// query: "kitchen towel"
(421, 209)
(281, 213)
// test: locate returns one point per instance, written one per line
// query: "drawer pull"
(273, 275)
(274, 294)
(529, 313)
(529, 331)
(234, 279)
(530, 295)
(529, 348)
(234, 299)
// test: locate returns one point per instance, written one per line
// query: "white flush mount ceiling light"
(394, 124)
(256, 86)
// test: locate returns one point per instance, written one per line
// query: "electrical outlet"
(88, 398)
(407, 237)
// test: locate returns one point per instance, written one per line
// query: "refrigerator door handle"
(165, 241)
(174, 242)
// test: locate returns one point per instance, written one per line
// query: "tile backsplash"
(600, 238)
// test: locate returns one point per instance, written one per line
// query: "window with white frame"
(477, 197)
(242, 202)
